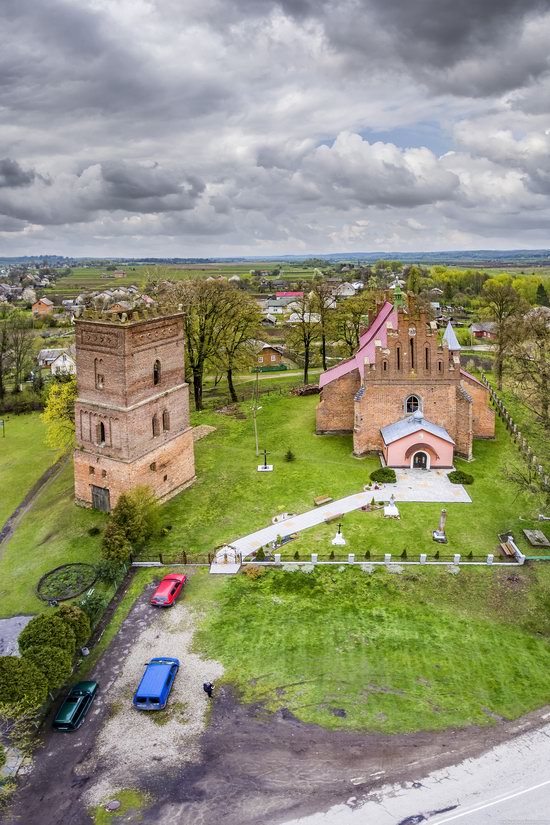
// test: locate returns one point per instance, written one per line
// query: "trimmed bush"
(21, 682)
(54, 663)
(296, 555)
(289, 455)
(260, 554)
(384, 475)
(331, 556)
(75, 617)
(460, 477)
(47, 631)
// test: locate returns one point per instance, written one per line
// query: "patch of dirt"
(202, 431)
(232, 409)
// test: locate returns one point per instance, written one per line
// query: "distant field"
(89, 278)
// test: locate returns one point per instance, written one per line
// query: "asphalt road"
(508, 785)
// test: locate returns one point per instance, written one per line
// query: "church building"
(404, 394)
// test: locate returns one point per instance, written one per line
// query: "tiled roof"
(413, 424)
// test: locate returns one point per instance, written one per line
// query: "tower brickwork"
(132, 411)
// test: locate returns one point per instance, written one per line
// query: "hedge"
(384, 475)
(460, 477)
(21, 682)
(56, 664)
(48, 631)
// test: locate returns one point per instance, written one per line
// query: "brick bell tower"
(132, 410)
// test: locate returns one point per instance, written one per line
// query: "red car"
(168, 590)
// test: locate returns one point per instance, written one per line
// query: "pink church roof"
(377, 331)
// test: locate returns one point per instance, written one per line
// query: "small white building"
(64, 364)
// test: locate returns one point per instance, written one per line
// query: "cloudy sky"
(228, 127)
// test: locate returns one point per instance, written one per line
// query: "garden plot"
(132, 741)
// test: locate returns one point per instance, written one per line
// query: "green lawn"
(230, 499)
(53, 532)
(24, 456)
(381, 652)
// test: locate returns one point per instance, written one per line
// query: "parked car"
(156, 683)
(73, 711)
(168, 590)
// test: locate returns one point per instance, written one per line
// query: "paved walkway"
(412, 485)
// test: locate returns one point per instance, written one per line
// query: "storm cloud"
(179, 127)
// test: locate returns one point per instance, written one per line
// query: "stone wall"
(483, 417)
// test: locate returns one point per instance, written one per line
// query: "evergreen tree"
(542, 296)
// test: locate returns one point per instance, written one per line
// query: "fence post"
(160, 557)
(209, 559)
(387, 558)
(490, 558)
(314, 558)
(456, 559)
(423, 558)
(351, 558)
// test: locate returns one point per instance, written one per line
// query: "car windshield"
(161, 598)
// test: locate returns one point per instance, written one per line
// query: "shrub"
(21, 682)
(93, 606)
(470, 555)
(55, 663)
(384, 475)
(48, 631)
(2, 756)
(436, 554)
(331, 556)
(260, 554)
(75, 617)
(289, 455)
(253, 572)
(296, 555)
(367, 554)
(404, 554)
(111, 572)
(94, 531)
(460, 477)
(115, 546)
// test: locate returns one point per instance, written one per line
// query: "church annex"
(404, 395)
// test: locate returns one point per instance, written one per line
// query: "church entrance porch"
(420, 461)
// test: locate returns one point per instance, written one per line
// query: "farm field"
(24, 456)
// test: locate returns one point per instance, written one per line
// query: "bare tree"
(504, 306)
(305, 330)
(242, 317)
(529, 362)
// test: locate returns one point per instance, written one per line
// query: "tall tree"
(502, 305)
(351, 316)
(236, 349)
(323, 302)
(542, 296)
(208, 310)
(5, 359)
(305, 330)
(20, 337)
(529, 362)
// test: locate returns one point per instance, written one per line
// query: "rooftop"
(413, 424)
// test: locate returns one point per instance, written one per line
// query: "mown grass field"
(380, 652)
(24, 456)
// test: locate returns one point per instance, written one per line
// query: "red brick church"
(404, 394)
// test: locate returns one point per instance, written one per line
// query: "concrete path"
(412, 485)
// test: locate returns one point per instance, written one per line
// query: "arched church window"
(427, 358)
(165, 421)
(155, 425)
(412, 404)
(398, 356)
(156, 372)
(101, 433)
(98, 371)
(411, 347)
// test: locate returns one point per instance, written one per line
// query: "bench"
(334, 517)
(322, 500)
(506, 549)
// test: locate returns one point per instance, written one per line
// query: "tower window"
(398, 355)
(440, 366)
(156, 427)
(385, 366)
(412, 404)
(156, 373)
(427, 358)
(98, 372)
(165, 421)
(411, 346)
(101, 433)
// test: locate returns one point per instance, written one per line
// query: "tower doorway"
(101, 499)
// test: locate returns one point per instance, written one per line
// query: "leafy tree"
(322, 304)
(5, 353)
(134, 520)
(529, 362)
(55, 663)
(242, 318)
(20, 338)
(351, 316)
(47, 631)
(59, 415)
(22, 684)
(78, 620)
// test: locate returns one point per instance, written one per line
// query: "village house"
(42, 308)
(64, 364)
(46, 357)
(270, 355)
(404, 394)
(486, 330)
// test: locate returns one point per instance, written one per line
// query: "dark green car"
(73, 711)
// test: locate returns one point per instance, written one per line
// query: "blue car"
(156, 683)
